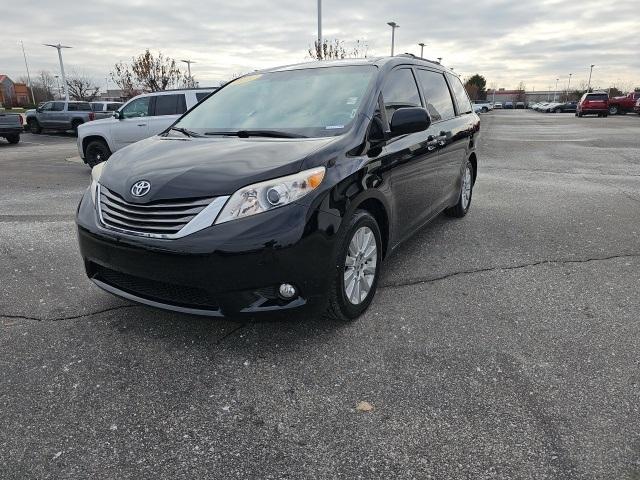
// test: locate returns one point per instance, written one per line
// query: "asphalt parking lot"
(504, 345)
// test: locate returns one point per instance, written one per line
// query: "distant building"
(112, 96)
(502, 95)
(22, 94)
(7, 92)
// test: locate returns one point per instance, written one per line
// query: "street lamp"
(393, 26)
(556, 90)
(189, 62)
(566, 95)
(320, 25)
(64, 78)
(422, 45)
(33, 98)
(590, 72)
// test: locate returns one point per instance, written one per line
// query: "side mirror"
(409, 120)
(118, 115)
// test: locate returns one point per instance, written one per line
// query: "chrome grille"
(165, 217)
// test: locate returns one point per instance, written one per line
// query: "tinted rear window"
(462, 99)
(597, 96)
(170, 104)
(201, 95)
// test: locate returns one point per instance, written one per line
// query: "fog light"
(287, 291)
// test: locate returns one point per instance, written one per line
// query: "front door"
(134, 125)
(410, 160)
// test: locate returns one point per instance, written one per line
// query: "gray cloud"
(508, 41)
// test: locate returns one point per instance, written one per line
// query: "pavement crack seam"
(223, 338)
(511, 267)
(71, 317)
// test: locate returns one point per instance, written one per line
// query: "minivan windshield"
(312, 102)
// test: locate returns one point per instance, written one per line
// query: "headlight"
(96, 172)
(271, 194)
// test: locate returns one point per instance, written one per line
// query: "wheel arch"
(90, 138)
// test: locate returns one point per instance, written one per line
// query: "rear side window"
(170, 105)
(201, 95)
(462, 99)
(79, 107)
(400, 91)
(436, 95)
(597, 96)
(96, 107)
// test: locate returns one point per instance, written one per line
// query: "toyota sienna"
(283, 190)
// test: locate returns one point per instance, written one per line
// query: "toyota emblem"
(140, 188)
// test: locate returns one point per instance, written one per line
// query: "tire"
(461, 208)
(605, 115)
(579, 114)
(13, 139)
(97, 151)
(74, 126)
(34, 126)
(485, 109)
(557, 110)
(342, 301)
(613, 109)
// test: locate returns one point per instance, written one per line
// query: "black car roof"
(401, 59)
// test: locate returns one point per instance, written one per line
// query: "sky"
(506, 41)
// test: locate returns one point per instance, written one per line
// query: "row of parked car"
(594, 103)
(484, 106)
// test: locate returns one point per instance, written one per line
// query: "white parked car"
(141, 117)
(482, 106)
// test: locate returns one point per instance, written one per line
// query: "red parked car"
(637, 107)
(596, 103)
(623, 104)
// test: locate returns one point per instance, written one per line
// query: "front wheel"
(357, 265)
(13, 139)
(613, 109)
(97, 151)
(461, 208)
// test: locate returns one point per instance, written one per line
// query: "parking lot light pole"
(189, 62)
(422, 45)
(33, 98)
(555, 92)
(439, 59)
(64, 78)
(589, 84)
(393, 26)
(320, 24)
(566, 95)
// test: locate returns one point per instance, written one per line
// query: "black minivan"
(283, 190)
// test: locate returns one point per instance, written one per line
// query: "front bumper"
(225, 270)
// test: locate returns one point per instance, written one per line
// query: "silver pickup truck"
(10, 126)
(59, 115)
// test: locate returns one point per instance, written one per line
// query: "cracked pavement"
(504, 345)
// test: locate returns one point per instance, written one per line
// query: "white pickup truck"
(141, 117)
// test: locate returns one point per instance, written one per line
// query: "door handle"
(142, 124)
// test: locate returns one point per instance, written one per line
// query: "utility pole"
(189, 62)
(590, 72)
(566, 95)
(393, 26)
(422, 45)
(64, 78)
(33, 98)
(556, 90)
(57, 77)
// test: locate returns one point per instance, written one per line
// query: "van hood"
(203, 167)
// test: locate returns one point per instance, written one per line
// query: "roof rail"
(411, 55)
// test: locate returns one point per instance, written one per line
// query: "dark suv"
(596, 103)
(284, 189)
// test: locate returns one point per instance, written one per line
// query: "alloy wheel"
(466, 187)
(360, 267)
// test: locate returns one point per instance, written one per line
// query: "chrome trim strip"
(152, 303)
(206, 218)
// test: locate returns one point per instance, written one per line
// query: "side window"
(112, 107)
(170, 104)
(462, 99)
(400, 91)
(72, 107)
(46, 107)
(137, 108)
(201, 96)
(84, 107)
(57, 107)
(96, 107)
(436, 95)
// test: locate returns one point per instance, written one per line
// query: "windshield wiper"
(184, 131)
(258, 133)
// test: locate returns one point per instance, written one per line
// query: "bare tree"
(123, 78)
(335, 50)
(521, 93)
(151, 73)
(82, 88)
